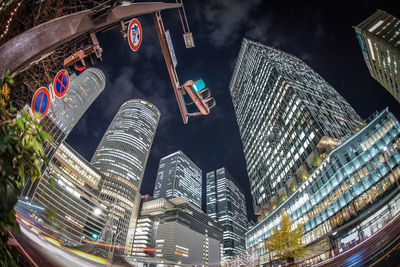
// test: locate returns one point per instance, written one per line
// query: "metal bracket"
(122, 28)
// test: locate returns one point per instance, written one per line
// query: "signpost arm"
(22, 50)
(170, 65)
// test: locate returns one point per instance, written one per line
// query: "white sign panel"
(171, 48)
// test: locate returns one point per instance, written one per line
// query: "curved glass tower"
(82, 91)
(65, 112)
(122, 156)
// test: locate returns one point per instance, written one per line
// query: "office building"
(379, 38)
(82, 91)
(177, 231)
(65, 112)
(349, 196)
(284, 110)
(122, 156)
(69, 189)
(226, 204)
(178, 176)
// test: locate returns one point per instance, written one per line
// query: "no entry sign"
(135, 34)
(40, 102)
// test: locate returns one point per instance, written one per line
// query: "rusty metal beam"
(25, 48)
(170, 66)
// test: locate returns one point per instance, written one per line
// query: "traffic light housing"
(200, 95)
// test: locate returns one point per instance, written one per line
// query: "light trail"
(119, 246)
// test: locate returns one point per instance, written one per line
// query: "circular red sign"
(61, 83)
(40, 102)
(135, 34)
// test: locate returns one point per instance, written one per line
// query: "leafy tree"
(286, 242)
(304, 174)
(247, 258)
(317, 160)
(22, 153)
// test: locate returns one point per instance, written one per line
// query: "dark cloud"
(225, 19)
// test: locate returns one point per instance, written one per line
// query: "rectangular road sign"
(171, 48)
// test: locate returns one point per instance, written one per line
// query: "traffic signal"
(200, 95)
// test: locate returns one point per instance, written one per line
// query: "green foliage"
(304, 174)
(22, 154)
(293, 187)
(286, 242)
(317, 160)
(282, 198)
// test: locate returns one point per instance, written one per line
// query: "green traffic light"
(199, 85)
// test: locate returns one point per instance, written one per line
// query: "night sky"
(318, 32)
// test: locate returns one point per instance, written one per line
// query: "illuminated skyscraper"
(78, 211)
(350, 195)
(379, 38)
(226, 204)
(83, 90)
(178, 176)
(284, 111)
(65, 112)
(122, 156)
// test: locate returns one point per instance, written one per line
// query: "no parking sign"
(135, 34)
(40, 102)
(61, 83)
(41, 98)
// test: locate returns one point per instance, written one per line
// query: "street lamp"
(97, 211)
(111, 254)
(387, 162)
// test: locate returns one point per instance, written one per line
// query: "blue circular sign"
(40, 102)
(61, 83)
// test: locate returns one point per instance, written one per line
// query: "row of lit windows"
(334, 196)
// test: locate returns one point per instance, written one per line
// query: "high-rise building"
(122, 156)
(379, 38)
(65, 112)
(178, 176)
(69, 188)
(180, 233)
(226, 204)
(284, 110)
(348, 197)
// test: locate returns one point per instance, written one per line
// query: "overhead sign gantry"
(30, 46)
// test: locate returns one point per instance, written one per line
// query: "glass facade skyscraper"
(284, 111)
(379, 38)
(83, 90)
(74, 198)
(65, 112)
(226, 204)
(122, 156)
(178, 176)
(350, 194)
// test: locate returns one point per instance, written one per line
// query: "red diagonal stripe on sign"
(61, 83)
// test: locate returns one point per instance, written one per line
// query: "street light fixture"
(97, 211)
(111, 254)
